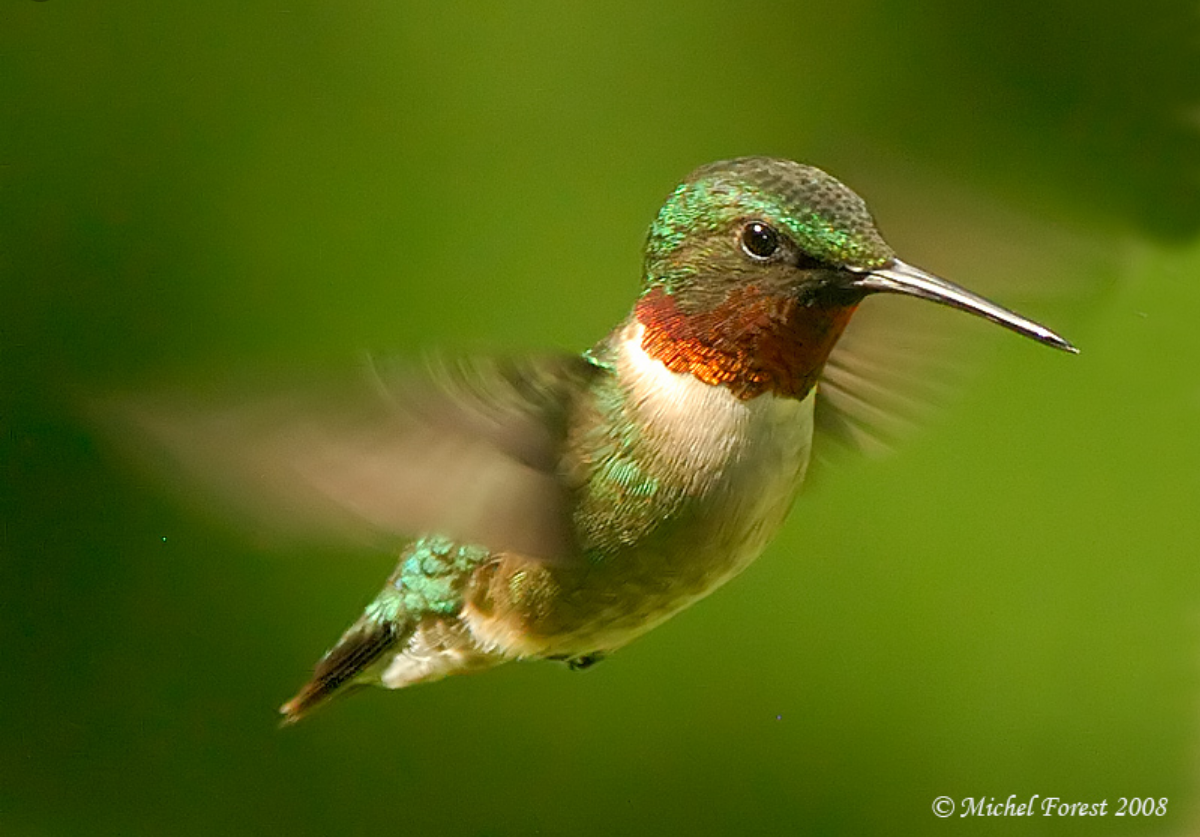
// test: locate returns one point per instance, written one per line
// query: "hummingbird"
(559, 506)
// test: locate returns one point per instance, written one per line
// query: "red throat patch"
(753, 342)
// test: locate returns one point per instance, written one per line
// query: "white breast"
(708, 433)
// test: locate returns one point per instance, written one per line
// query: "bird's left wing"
(465, 448)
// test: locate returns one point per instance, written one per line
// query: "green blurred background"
(1008, 605)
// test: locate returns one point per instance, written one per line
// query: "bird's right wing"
(896, 359)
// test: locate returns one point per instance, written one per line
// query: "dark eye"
(759, 240)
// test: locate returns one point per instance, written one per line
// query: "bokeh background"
(1008, 605)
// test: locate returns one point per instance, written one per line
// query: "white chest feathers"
(704, 434)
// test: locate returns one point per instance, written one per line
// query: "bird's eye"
(759, 240)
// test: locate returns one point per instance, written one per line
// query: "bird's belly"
(699, 544)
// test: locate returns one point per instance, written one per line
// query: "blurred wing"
(897, 359)
(900, 358)
(468, 449)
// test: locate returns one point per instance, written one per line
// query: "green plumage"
(563, 505)
(822, 217)
(644, 488)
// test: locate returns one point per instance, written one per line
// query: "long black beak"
(896, 277)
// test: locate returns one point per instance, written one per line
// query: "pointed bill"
(901, 278)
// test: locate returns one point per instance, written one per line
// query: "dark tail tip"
(360, 647)
(306, 700)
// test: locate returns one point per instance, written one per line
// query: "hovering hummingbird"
(564, 505)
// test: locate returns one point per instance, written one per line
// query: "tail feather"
(356, 651)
